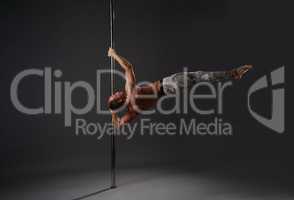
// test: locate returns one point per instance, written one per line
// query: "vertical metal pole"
(112, 65)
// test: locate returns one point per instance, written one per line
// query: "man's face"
(116, 100)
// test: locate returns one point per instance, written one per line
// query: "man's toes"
(248, 67)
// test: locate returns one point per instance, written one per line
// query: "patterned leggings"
(188, 79)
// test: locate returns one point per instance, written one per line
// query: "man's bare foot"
(238, 73)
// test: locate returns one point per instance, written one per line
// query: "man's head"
(117, 100)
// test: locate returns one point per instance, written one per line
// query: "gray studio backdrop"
(159, 38)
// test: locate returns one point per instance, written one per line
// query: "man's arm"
(127, 118)
(128, 68)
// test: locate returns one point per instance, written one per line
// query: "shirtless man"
(169, 85)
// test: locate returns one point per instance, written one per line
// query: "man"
(133, 96)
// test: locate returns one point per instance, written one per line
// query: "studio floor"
(164, 183)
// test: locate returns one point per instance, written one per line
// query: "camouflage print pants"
(185, 80)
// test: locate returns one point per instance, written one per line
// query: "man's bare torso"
(144, 97)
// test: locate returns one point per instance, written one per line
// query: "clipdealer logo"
(53, 87)
(277, 120)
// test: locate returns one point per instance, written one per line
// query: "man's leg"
(202, 76)
(185, 80)
(234, 74)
